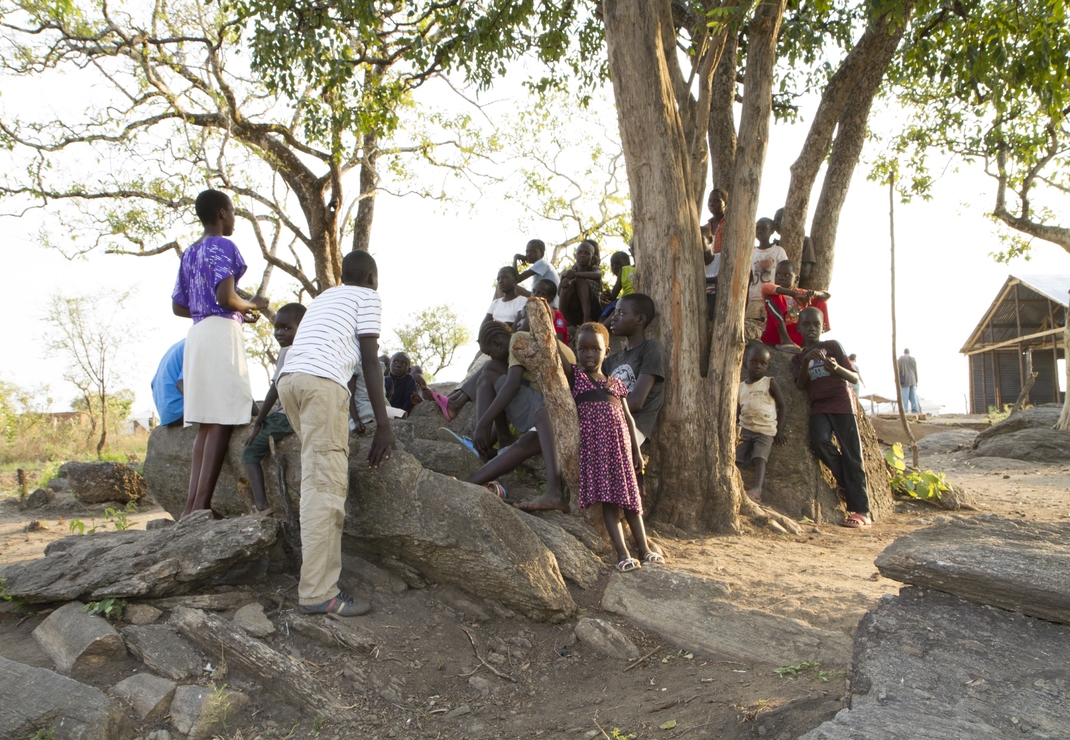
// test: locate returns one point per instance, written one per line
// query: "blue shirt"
(164, 391)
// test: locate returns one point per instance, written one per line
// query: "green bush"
(920, 484)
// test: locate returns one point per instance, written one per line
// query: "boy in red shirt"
(547, 290)
(783, 302)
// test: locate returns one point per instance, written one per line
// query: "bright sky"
(946, 277)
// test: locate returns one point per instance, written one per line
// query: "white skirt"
(215, 375)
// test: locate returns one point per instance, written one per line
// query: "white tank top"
(758, 409)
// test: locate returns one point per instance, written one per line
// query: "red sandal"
(856, 521)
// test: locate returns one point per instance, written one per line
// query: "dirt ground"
(424, 680)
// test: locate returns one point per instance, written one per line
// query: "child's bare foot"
(546, 502)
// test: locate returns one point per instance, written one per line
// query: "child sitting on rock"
(761, 416)
(271, 421)
(507, 308)
(402, 391)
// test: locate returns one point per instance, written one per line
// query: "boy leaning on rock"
(340, 329)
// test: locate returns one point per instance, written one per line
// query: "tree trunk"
(362, 224)
(667, 243)
(103, 424)
(720, 509)
(846, 150)
(541, 358)
(722, 127)
(865, 59)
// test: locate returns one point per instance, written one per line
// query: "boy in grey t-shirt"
(641, 364)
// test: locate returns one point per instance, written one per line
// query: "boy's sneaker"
(448, 435)
(343, 605)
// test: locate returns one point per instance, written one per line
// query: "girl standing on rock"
(609, 448)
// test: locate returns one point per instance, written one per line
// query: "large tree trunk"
(722, 128)
(720, 508)
(667, 242)
(869, 57)
(362, 224)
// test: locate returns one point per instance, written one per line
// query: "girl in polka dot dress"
(609, 451)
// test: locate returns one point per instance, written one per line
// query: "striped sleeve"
(369, 314)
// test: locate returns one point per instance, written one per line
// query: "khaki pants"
(318, 410)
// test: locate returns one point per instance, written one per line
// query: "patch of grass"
(45, 734)
(317, 723)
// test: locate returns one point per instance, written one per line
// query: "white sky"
(946, 277)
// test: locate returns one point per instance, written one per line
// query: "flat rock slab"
(577, 563)
(949, 441)
(605, 638)
(1042, 417)
(693, 613)
(78, 643)
(201, 713)
(1034, 444)
(195, 553)
(931, 665)
(38, 700)
(148, 695)
(1016, 565)
(164, 652)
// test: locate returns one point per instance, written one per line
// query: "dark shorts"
(753, 446)
(275, 425)
(525, 404)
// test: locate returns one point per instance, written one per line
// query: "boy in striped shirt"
(339, 331)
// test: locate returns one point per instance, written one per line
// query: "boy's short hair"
(512, 271)
(208, 205)
(765, 218)
(357, 266)
(815, 310)
(593, 327)
(548, 286)
(643, 303)
(292, 311)
(620, 256)
(757, 347)
(540, 245)
(491, 329)
(789, 263)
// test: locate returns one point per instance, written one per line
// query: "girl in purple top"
(217, 395)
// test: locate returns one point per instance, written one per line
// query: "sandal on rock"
(654, 557)
(443, 403)
(856, 521)
(627, 565)
(496, 488)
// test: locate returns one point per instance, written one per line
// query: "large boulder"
(949, 441)
(1016, 565)
(1043, 417)
(928, 664)
(98, 483)
(796, 483)
(1032, 444)
(35, 702)
(450, 531)
(195, 553)
(79, 643)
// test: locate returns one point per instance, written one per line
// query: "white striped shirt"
(326, 344)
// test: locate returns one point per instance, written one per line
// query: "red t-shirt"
(829, 394)
(560, 326)
(788, 307)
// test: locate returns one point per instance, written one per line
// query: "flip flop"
(655, 558)
(627, 565)
(496, 488)
(856, 521)
(443, 403)
(451, 436)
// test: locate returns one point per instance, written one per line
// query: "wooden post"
(540, 356)
(1022, 375)
(1054, 355)
(895, 349)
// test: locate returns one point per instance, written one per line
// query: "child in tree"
(340, 330)
(640, 366)
(271, 422)
(538, 267)
(507, 308)
(620, 264)
(401, 387)
(824, 372)
(609, 447)
(783, 302)
(580, 292)
(214, 370)
(711, 254)
(763, 267)
(761, 416)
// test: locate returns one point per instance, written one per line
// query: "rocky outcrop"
(194, 554)
(98, 483)
(949, 441)
(1015, 565)
(450, 531)
(930, 665)
(1033, 444)
(1039, 417)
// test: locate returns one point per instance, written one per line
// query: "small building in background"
(1020, 333)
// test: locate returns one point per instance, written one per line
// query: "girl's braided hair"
(493, 329)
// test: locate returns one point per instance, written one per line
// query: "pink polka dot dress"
(606, 471)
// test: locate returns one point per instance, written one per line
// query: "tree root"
(762, 516)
